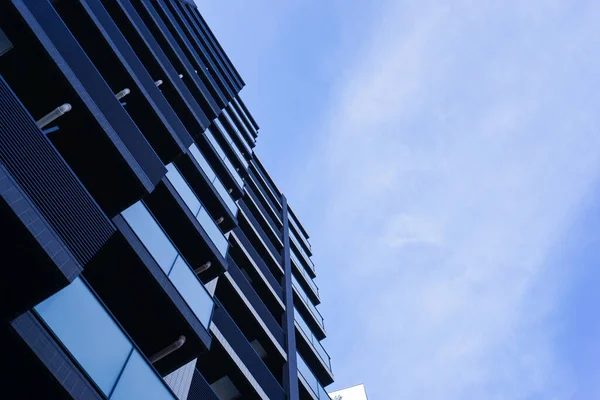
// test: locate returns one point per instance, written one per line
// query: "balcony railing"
(309, 378)
(302, 270)
(214, 179)
(196, 207)
(296, 226)
(232, 143)
(320, 350)
(232, 170)
(97, 343)
(307, 261)
(308, 303)
(164, 253)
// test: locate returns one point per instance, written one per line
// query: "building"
(146, 251)
(356, 392)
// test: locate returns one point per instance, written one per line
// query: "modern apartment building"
(146, 251)
(356, 392)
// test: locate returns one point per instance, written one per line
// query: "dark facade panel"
(200, 389)
(36, 261)
(47, 180)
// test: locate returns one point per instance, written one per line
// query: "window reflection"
(97, 343)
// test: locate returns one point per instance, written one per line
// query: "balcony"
(306, 282)
(176, 56)
(175, 7)
(299, 232)
(228, 173)
(260, 240)
(312, 389)
(98, 345)
(188, 223)
(230, 336)
(158, 65)
(226, 120)
(151, 288)
(185, 46)
(256, 302)
(214, 44)
(264, 201)
(241, 125)
(47, 53)
(265, 186)
(240, 157)
(246, 120)
(205, 182)
(52, 237)
(309, 310)
(263, 281)
(118, 64)
(307, 262)
(314, 352)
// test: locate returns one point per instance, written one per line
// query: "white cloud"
(461, 142)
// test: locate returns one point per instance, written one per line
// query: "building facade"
(146, 251)
(356, 392)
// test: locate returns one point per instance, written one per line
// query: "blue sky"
(445, 158)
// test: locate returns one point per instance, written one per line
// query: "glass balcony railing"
(302, 270)
(302, 294)
(237, 131)
(305, 256)
(190, 199)
(311, 380)
(320, 350)
(162, 250)
(224, 157)
(95, 341)
(296, 226)
(214, 179)
(229, 140)
(231, 109)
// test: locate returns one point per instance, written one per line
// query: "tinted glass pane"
(215, 144)
(226, 197)
(151, 234)
(233, 171)
(139, 381)
(192, 291)
(186, 193)
(213, 231)
(87, 331)
(210, 173)
(307, 375)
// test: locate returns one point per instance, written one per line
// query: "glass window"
(84, 327)
(192, 291)
(151, 234)
(140, 382)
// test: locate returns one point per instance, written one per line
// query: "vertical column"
(290, 373)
